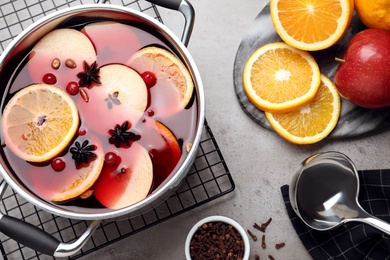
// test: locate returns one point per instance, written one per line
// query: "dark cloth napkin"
(352, 240)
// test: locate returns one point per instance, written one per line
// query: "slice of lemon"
(313, 122)
(39, 122)
(311, 25)
(168, 69)
(280, 78)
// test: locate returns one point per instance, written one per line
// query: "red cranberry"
(49, 78)
(72, 88)
(110, 158)
(82, 131)
(149, 78)
(58, 164)
(150, 112)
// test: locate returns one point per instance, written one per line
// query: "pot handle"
(186, 8)
(37, 239)
(183, 6)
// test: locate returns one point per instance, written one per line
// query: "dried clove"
(216, 240)
(271, 257)
(257, 257)
(258, 227)
(263, 245)
(264, 225)
(252, 235)
(280, 245)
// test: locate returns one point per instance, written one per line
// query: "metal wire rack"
(208, 179)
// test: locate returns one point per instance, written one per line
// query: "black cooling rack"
(208, 179)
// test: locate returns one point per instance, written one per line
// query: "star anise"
(120, 135)
(82, 153)
(89, 75)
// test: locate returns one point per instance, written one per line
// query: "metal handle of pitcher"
(183, 6)
(37, 239)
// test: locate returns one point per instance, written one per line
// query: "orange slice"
(311, 24)
(313, 122)
(169, 71)
(38, 122)
(280, 78)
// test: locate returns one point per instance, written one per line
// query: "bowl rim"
(218, 218)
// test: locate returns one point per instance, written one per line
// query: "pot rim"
(181, 171)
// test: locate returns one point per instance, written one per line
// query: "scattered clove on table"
(263, 245)
(254, 237)
(280, 245)
(263, 225)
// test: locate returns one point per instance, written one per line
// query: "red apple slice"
(121, 96)
(163, 147)
(126, 182)
(62, 53)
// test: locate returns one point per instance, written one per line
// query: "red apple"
(363, 76)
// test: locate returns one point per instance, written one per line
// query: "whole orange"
(374, 13)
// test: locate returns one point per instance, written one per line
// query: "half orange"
(279, 78)
(311, 24)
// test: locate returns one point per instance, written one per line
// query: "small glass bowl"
(223, 219)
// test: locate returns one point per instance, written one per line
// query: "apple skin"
(363, 77)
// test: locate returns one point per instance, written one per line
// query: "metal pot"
(34, 237)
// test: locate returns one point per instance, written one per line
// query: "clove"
(257, 257)
(271, 257)
(280, 245)
(252, 235)
(263, 245)
(263, 225)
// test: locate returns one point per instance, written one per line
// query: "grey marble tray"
(354, 121)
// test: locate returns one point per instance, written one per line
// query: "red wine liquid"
(114, 44)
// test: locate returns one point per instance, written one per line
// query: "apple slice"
(121, 96)
(163, 148)
(60, 53)
(128, 180)
(122, 42)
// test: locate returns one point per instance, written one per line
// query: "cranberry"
(149, 78)
(82, 131)
(49, 78)
(150, 112)
(72, 88)
(58, 164)
(110, 158)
